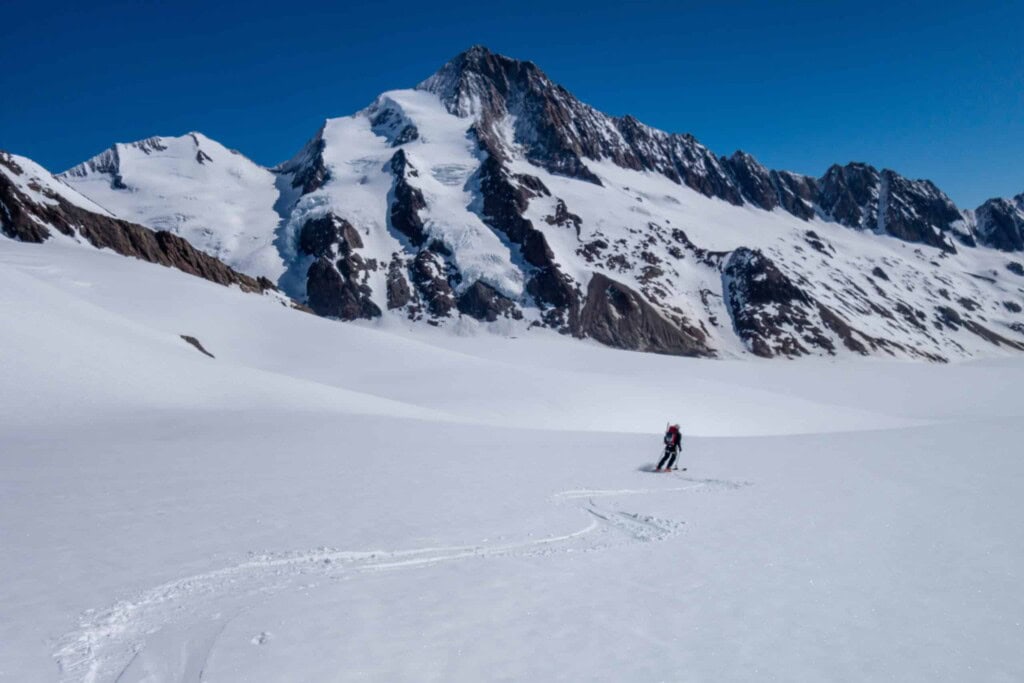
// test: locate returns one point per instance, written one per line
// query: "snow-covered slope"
(490, 197)
(37, 207)
(340, 502)
(192, 186)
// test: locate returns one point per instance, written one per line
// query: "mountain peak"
(472, 81)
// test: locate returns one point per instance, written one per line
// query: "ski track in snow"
(109, 642)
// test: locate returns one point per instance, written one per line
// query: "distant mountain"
(214, 197)
(490, 196)
(36, 207)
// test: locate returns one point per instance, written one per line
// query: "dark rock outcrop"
(564, 218)
(336, 281)
(483, 302)
(797, 193)
(406, 201)
(308, 170)
(198, 346)
(849, 195)
(950, 318)
(329, 236)
(388, 122)
(770, 313)
(429, 274)
(617, 316)
(755, 181)
(859, 196)
(558, 297)
(559, 133)
(917, 211)
(398, 290)
(1000, 223)
(334, 295)
(505, 198)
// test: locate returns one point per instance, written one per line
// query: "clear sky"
(931, 89)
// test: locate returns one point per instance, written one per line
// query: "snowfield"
(387, 501)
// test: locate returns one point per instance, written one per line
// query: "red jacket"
(673, 439)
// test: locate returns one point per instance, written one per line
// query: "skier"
(673, 444)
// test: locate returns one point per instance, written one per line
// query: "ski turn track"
(193, 611)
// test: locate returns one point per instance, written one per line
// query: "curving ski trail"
(109, 644)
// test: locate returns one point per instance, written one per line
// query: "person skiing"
(673, 444)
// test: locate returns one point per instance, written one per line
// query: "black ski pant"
(670, 457)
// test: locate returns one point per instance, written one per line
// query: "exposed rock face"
(399, 294)
(768, 189)
(678, 157)
(1000, 223)
(505, 199)
(329, 236)
(797, 193)
(336, 281)
(952, 319)
(407, 201)
(557, 129)
(429, 274)
(25, 219)
(850, 195)
(483, 302)
(755, 181)
(388, 121)
(307, 168)
(917, 211)
(861, 197)
(560, 133)
(333, 295)
(565, 218)
(772, 315)
(618, 316)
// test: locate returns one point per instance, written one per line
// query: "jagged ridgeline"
(490, 196)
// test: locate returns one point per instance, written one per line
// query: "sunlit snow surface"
(214, 197)
(342, 502)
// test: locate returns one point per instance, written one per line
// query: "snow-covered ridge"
(489, 196)
(37, 207)
(40, 185)
(193, 186)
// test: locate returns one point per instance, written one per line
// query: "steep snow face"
(194, 187)
(405, 136)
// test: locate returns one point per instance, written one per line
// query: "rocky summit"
(490, 197)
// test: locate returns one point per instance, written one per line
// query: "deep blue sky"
(930, 89)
